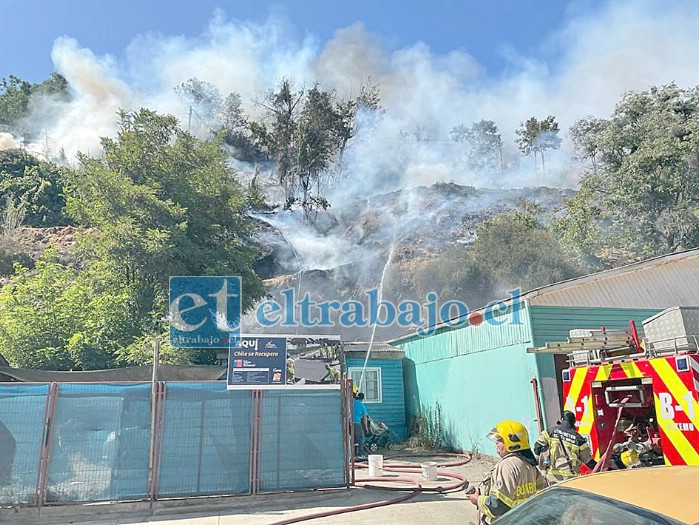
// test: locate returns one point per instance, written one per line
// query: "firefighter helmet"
(513, 434)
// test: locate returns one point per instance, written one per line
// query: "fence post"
(45, 448)
(153, 419)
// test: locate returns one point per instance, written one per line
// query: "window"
(370, 384)
(563, 506)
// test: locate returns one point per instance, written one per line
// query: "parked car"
(640, 496)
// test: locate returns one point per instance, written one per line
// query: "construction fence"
(76, 443)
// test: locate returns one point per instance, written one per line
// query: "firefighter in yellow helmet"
(514, 478)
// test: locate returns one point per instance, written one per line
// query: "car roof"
(670, 491)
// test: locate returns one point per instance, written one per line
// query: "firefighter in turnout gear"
(514, 478)
(567, 449)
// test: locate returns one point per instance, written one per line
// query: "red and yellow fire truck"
(638, 401)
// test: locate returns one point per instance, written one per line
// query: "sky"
(485, 30)
(437, 64)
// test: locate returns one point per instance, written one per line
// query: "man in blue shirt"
(360, 423)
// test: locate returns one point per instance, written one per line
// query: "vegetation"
(484, 145)
(158, 203)
(639, 195)
(33, 185)
(512, 250)
(162, 202)
(536, 136)
(430, 430)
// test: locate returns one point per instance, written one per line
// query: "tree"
(57, 318)
(38, 185)
(306, 132)
(484, 145)
(204, 102)
(160, 203)
(520, 252)
(512, 250)
(642, 188)
(16, 96)
(14, 99)
(283, 107)
(536, 136)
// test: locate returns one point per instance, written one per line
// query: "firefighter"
(514, 478)
(567, 449)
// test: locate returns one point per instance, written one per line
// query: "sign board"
(261, 362)
(257, 361)
(204, 311)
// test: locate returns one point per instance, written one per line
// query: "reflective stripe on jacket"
(512, 480)
(567, 451)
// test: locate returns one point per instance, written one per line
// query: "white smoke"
(7, 141)
(594, 59)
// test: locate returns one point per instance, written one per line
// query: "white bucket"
(429, 471)
(375, 465)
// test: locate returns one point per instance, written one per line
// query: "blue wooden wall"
(391, 410)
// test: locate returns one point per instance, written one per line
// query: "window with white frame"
(370, 383)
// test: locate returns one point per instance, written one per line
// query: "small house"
(378, 370)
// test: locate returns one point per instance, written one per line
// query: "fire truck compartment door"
(634, 395)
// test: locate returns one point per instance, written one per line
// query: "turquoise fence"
(71, 443)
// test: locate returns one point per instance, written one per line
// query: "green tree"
(14, 99)
(512, 250)
(160, 203)
(521, 252)
(38, 185)
(537, 136)
(484, 145)
(55, 317)
(641, 194)
(305, 132)
(17, 95)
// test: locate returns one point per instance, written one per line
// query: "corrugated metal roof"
(376, 348)
(662, 282)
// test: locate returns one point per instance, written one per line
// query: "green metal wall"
(478, 375)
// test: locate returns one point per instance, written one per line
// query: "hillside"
(345, 253)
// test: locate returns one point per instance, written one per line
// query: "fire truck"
(635, 394)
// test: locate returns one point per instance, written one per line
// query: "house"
(378, 370)
(480, 373)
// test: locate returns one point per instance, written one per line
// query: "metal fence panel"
(99, 443)
(301, 444)
(206, 440)
(22, 410)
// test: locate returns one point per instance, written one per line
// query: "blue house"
(381, 380)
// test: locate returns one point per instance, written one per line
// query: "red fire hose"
(415, 489)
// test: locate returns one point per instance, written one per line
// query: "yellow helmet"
(629, 458)
(513, 434)
(355, 389)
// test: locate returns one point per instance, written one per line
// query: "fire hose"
(605, 459)
(414, 489)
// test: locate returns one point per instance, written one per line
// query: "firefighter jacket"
(567, 451)
(513, 479)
